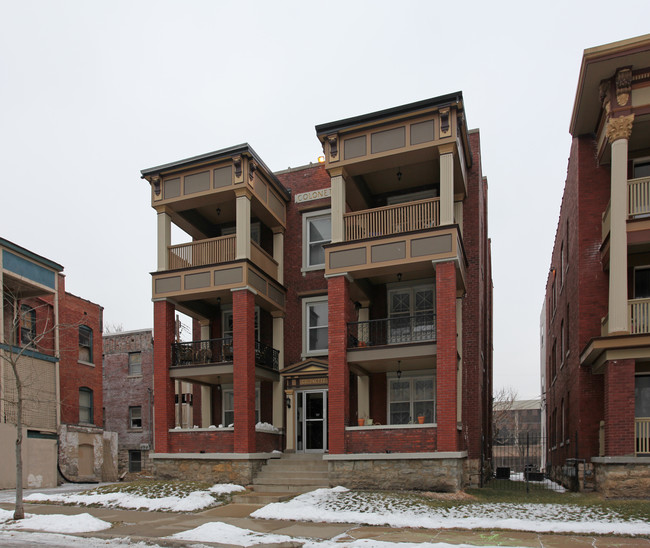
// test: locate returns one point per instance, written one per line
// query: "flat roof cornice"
(30, 255)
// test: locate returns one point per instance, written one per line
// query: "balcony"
(219, 351)
(396, 330)
(639, 314)
(642, 435)
(202, 252)
(389, 220)
(638, 192)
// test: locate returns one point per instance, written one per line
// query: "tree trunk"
(19, 512)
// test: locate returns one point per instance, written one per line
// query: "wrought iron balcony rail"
(395, 330)
(211, 351)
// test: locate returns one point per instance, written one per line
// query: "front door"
(311, 421)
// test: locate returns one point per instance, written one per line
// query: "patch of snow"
(59, 540)
(54, 523)
(265, 427)
(225, 488)
(229, 534)
(549, 484)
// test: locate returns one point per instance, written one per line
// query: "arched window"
(85, 405)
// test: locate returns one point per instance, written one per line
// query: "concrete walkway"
(154, 526)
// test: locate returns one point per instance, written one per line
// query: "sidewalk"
(154, 526)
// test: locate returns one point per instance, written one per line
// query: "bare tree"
(112, 328)
(502, 406)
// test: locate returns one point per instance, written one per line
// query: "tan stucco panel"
(431, 246)
(197, 281)
(167, 285)
(348, 257)
(228, 276)
(393, 251)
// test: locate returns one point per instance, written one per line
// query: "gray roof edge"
(27, 253)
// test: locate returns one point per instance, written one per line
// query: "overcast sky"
(92, 92)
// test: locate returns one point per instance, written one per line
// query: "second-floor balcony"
(202, 252)
(219, 351)
(638, 197)
(394, 330)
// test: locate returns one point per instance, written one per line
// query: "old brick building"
(128, 396)
(596, 324)
(342, 309)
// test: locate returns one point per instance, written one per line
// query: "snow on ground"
(196, 500)
(52, 540)
(53, 523)
(547, 483)
(339, 505)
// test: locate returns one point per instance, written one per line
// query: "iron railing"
(395, 330)
(211, 351)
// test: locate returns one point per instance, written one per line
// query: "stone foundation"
(410, 471)
(471, 473)
(214, 468)
(622, 477)
(87, 453)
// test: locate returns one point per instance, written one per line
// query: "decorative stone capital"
(333, 141)
(619, 128)
(604, 95)
(252, 168)
(237, 164)
(623, 86)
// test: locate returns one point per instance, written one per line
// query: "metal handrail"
(210, 351)
(394, 330)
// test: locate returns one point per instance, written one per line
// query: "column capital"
(245, 192)
(619, 128)
(446, 149)
(278, 230)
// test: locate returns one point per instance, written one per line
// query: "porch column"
(164, 406)
(446, 395)
(206, 391)
(278, 393)
(618, 133)
(164, 240)
(243, 307)
(619, 408)
(338, 314)
(338, 207)
(447, 184)
(243, 224)
(278, 251)
(363, 396)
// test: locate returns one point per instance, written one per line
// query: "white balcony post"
(338, 208)
(243, 226)
(446, 186)
(164, 240)
(278, 251)
(618, 133)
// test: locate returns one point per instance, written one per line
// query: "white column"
(278, 393)
(278, 252)
(243, 222)
(618, 132)
(338, 208)
(363, 397)
(447, 188)
(164, 240)
(206, 406)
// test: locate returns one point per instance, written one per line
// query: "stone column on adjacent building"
(446, 394)
(278, 393)
(618, 133)
(278, 251)
(338, 207)
(243, 306)
(164, 240)
(338, 289)
(447, 184)
(164, 405)
(243, 224)
(619, 408)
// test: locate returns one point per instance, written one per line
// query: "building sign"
(306, 381)
(313, 195)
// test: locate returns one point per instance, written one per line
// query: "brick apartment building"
(342, 309)
(596, 319)
(54, 338)
(128, 396)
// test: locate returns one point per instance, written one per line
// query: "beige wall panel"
(422, 132)
(172, 188)
(257, 281)
(348, 257)
(388, 140)
(165, 285)
(198, 182)
(261, 189)
(277, 206)
(431, 246)
(641, 97)
(39, 460)
(355, 147)
(388, 252)
(197, 281)
(228, 276)
(222, 177)
(276, 295)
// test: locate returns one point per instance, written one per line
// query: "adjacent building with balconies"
(597, 309)
(342, 309)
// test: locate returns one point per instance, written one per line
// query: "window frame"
(411, 378)
(227, 333)
(89, 332)
(306, 303)
(412, 288)
(133, 452)
(27, 311)
(307, 217)
(131, 364)
(90, 410)
(228, 389)
(132, 409)
(640, 161)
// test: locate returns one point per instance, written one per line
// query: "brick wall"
(219, 441)
(403, 440)
(619, 408)
(164, 327)
(244, 370)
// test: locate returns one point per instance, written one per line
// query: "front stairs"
(284, 478)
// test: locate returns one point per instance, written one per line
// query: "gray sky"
(91, 92)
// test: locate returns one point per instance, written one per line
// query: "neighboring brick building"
(128, 396)
(596, 325)
(348, 304)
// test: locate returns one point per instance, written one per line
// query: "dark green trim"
(42, 435)
(29, 353)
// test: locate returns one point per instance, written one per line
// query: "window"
(641, 168)
(412, 314)
(135, 461)
(314, 315)
(229, 406)
(411, 397)
(135, 364)
(554, 360)
(642, 282)
(562, 342)
(562, 263)
(255, 232)
(135, 417)
(316, 232)
(85, 344)
(568, 331)
(27, 325)
(85, 405)
(227, 323)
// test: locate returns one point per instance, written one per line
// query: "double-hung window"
(229, 406)
(316, 232)
(135, 364)
(135, 417)
(27, 325)
(314, 315)
(85, 344)
(411, 311)
(410, 398)
(85, 405)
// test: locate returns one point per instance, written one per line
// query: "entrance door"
(311, 421)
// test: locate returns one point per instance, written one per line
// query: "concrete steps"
(292, 474)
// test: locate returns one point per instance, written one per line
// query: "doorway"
(311, 421)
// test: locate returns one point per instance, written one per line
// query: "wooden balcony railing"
(214, 351)
(384, 221)
(202, 252)
(639, 315)
(395, 330)
(638, 192)
(642, 431)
